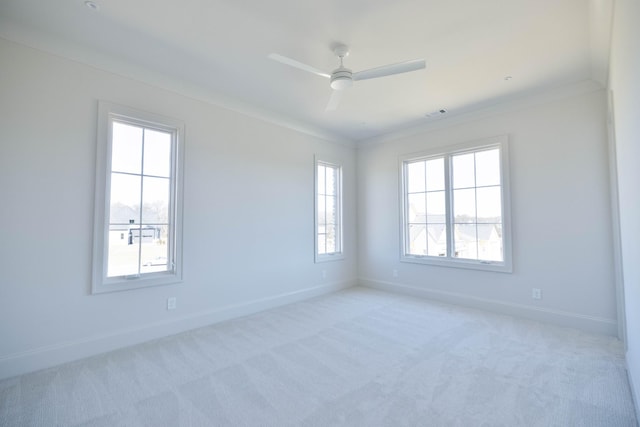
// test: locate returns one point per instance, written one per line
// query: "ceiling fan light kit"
(342, 78)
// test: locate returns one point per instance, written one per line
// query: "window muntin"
(137, 237)
(328, 223)
(454, 207)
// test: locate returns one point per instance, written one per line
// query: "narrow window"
(328, 215)
(137, 235)
(455, 207)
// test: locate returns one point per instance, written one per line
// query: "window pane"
(322, 181)
(122, 257)
(331, 238)
(322, 248)
(417, 208)
(490, 242)
(164, 234)
(436, 210)
(155, 200)
(437, 240)
(464, 206)
(489, 205)
(463, 171)
(331, 180)
(154, 253)
(126, 149)
(331, 210)
(157, 153)
(488, 168)
(417, 239)
(125, 199)
(322, 216)
(435, 174)
(415, 177)
(465, 241)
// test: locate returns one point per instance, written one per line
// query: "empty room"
(339, 213)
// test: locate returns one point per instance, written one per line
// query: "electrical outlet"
(395, 273)
(171, 303)
(536, 293)
(324, 274)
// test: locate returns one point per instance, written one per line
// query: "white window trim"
(107, 112)
(339, 254)
(506, 266)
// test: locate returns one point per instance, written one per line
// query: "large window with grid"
(328, 211)
(137, 236)
(455, 209)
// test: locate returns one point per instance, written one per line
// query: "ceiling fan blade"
(332, 105)
(296, 64)
(388, 70)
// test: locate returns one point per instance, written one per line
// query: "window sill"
(499, 267)
(329, 257)
(116, 284)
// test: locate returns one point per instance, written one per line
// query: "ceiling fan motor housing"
(341, 79)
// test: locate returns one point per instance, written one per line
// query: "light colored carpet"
(354, 358)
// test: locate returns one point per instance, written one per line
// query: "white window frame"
(505, 266)
(107, 114)
(339, 252)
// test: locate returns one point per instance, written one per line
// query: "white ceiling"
(218, 50)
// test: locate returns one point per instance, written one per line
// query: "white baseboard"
(560, 318)
(45, 357)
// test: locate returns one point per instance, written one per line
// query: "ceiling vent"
(436, 113)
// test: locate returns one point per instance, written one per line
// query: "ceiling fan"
(342, 78)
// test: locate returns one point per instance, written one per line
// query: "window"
(328, 212)
(137, 230)
(455, 209)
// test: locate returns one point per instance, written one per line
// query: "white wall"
(625, 84)
(560, 217)
(235, 265)
(248, 215)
